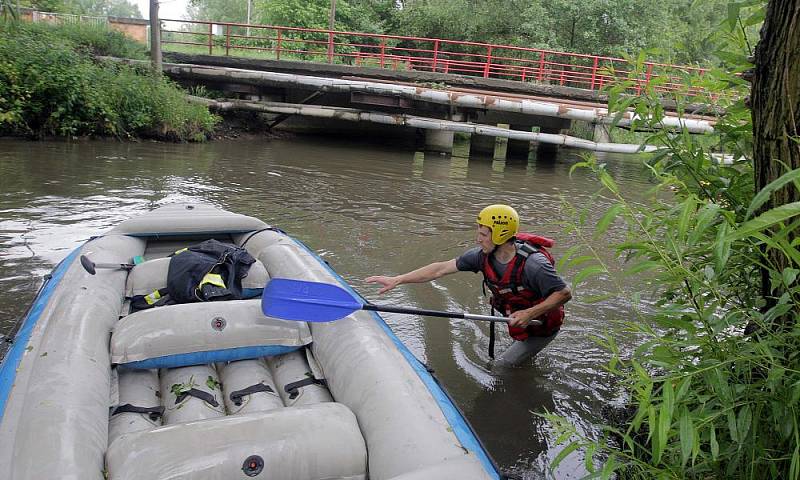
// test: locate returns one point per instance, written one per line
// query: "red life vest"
(509, 293)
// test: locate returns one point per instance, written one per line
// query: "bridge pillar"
(519, 148)
(601, 133)
(439, 141)
(501, 144)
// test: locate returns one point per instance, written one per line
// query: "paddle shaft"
(438, 313)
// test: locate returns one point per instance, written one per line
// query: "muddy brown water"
(366, 208)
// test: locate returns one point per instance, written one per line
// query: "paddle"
(91, 267)
(322, 302)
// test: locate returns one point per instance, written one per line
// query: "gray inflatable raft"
(215, 390)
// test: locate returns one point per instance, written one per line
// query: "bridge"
(439, 86)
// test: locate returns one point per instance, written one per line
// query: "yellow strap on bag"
(213, 279)
(152, 297)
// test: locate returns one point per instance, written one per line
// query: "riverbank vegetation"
(52, 84)
(713, 390)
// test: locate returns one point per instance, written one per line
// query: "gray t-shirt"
(538, 276)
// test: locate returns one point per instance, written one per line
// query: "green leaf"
(577, 166)
(714, 444)
(686, 435)
(732, 426)
(722, 247)
(790, 275)
(608, 218)
(664, 419)
(608, 182)
(766, 220)
(704, 219)
(588, 272)
(566, 256)
(743, 421)
(766, 192)
(579, 260)
(643, 266)
(689, 206)
(563, 454)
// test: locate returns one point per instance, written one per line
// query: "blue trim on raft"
(211, 356)
(454, 417)
(8, 369)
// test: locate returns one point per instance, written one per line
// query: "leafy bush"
(100, 40)
(51, 85)
(705, 399)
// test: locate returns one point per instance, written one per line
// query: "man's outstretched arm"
(424, 274)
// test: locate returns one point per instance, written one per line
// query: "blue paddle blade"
(307, 301)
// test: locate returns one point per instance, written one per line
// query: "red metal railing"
(591, 72)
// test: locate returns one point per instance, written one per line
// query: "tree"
(776, 116)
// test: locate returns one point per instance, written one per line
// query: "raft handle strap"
(236, 397)
(268, 229)
(293, 388)
(193, 392)
(153, 412)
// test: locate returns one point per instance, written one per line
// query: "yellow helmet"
(502, 219)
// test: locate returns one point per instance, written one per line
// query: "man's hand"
(520, 318)
(387, 283)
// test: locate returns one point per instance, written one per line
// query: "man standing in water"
(519, 272)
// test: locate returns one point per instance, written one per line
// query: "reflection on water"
(368, 210)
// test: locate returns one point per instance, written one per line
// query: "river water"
(367, 209)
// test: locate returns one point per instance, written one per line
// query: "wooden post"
(155, 37)
(210, 38)
(227, 39)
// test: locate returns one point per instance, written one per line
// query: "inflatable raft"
(92, 389)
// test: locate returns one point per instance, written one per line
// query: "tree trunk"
(155, 37)
(775, 103)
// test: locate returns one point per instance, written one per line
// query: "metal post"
(594, 72)
(383, 50)
(488, 61)
(330, 47)
(278, 49)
